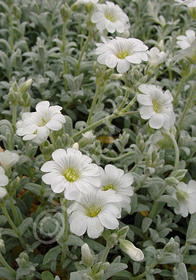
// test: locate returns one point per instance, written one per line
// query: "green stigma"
(93, 211)
(71, 174)
(108, 187)
(110, 17)
(181, 195)
(157, 107)
(122, 54)
(43, 122)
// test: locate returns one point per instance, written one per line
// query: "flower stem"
(13, 226)
(11, 29)
(93, 104)
(190, 99)
(130, 104)
(177, 153)
(63, 47)
(119, 157)
(101, 95)
(82, 53)
(183, 80)
(156, 202)
(95, 124)
(14, 211)
(6, 265)
(64, 204)
(105, 253)
(14, 114)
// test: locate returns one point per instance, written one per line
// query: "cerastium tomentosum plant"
(97, 139)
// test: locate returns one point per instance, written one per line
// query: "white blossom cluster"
(37, 126)
(98, 195)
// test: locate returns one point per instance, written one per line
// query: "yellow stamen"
(71, 174)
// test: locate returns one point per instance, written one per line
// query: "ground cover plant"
(97, 139)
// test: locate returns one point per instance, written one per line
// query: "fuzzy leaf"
(52, 254)
(4, 273)
(180, 272)
(46, 275)
(146, 224)
(28, 222)
(114, 268)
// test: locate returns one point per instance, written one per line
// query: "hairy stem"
(64, 204)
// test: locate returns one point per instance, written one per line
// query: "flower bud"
(133, 252)
(75, 146)
(172, 246)
(65, 12)
(25, 86)
(13, 96)
(140, 142)
(87, 257)
(25, 100)
(23, 259)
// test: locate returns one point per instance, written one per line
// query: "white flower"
(111, 17)
(93, 212)
(70, 171)
(189, 3)
(186, 41)
(155, 57)
(113, 178)
(156, 105)
(8, 159)
(3, 178)
(121, 52)
(86, 2)
(186, 196)
(37, 126)
(87, 257)
(133, 252)
(3, 192)
(188, 44)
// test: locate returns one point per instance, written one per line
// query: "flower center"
(71, 174)
(157, 106)
(122, 54)
(181, 195)
(108, 187)
(93, 211)
(43, 122)
(110, 17)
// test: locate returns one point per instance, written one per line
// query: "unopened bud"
(65, 12)
(133, 252)
(25, 86)
(140, 142)
(172, 246)
(13, 94)
(25, 100)
(75, 146)
(87, 257)
(23, 259)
